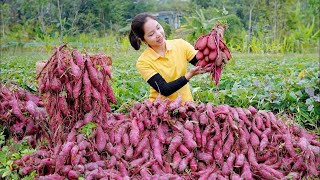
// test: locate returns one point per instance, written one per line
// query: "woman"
(163, 64)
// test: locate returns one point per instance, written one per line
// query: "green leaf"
(10, 162)
(6, 173)
(292, 96)
(87, 129)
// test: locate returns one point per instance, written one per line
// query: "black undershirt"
(168, 88)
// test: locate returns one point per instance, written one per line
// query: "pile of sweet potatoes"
(192, 141)
(21, 113)
(76, 88)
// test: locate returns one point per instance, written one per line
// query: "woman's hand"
(194, 71)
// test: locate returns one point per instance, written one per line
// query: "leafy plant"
(10, 152)
(87, 129)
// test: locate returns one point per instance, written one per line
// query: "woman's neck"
(160, 49)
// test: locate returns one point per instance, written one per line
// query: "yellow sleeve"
(145, 69)
(189, 49)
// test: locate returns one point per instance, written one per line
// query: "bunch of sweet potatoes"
(212, 53)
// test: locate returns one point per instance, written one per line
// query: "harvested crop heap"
(159, 139)
(76, 88)
(22, 113)
(167, 139)
(213, 53)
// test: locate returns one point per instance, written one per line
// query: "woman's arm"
(194, 61)
(165, 88)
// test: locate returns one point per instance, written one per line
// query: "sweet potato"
(157, 169)
(197, 132)
(88, 117)
(199, 55)
(201, 42)
(272, 171)
(176, 160)
(16, 110)
(189, 125)
(193, 165)
(142, 144)
(145, 173)
(78, 58)
(243, 141)
(210, 145)
(100, 139)
(240, 160)
(246, 172)
(188, 140)
(93, 75)
(263, 142)
(167, 168)
(77, 89)
(202, 63)
(206, 175)
(134, 132)
(122, 168)
(205, 157)
(137, 162)
(217, 152)
(125, 139)
(213, 55)
(252, 157)
(174, 144)
(184, 162)
(87, 91)
(206, 51)
(56, 84)
(26, 170)
(129, 152)
(66, 148)
(73, 174)
(155, 144)
(235, 176)
(183, 149)
(75, 70)
(218, 61)
(204, 137)
(211, 44)
(31, 107)
(227, 145)
(288, 144)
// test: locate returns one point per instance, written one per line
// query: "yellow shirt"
(171, 66)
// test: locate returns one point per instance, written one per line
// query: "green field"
(287, 85)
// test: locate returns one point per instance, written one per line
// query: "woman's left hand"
(194, 71)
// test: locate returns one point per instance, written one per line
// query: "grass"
(285, 84)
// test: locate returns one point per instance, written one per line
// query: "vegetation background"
(255, 26)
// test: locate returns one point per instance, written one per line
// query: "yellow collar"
(154, 55)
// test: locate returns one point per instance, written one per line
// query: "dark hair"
(136, 33)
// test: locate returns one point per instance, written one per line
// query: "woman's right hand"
(194, 71)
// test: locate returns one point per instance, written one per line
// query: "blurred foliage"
(277, 26)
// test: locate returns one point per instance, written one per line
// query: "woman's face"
(153, 33)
